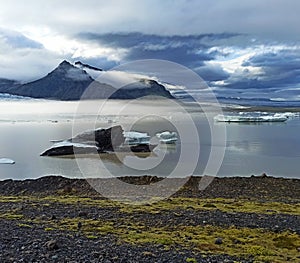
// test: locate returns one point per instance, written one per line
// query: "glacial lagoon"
(27, 128)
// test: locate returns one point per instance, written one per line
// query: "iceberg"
(167, 137)
(73, 144)
(110, 140)
(133, 138)
(69, 148)
(6, 161)
(251, 117)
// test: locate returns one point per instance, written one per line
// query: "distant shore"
(261, 109)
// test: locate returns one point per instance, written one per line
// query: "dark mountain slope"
(67, 82)
(6, 84)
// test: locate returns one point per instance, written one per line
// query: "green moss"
(222, 204)
(24, 225)
(49, 229)
(191, 260)
(91, 236)
(289, 241)
(11, 216)
(261, 244)
(258, 243)
(258, 251)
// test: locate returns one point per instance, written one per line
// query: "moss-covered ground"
(95, 217)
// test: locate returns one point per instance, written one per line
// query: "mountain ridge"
(69, 82)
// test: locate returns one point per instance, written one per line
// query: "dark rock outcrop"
(87, 66)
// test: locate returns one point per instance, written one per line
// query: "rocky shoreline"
(236, 219)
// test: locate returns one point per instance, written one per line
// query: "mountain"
(6, 84)
(67, 82)
(142, 88)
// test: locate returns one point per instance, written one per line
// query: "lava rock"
(219, 241)
(51, 244)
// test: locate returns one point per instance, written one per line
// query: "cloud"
(279, 68)
(18, 40)
(269, 18)
(233, 45)
(212, 73)
(186, 50)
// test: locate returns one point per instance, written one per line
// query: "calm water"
(27, 127)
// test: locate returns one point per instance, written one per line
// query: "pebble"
(51, 244)
(219, 241)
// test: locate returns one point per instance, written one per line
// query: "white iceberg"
(250, 117)
(167, 137)
(6, 161)
(133, 138)
(286, 114)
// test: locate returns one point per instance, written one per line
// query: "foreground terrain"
(55, 219)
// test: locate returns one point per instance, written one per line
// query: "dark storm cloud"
(247, 83)
(127, 40)
(189, 51)
(280, 68)
(282, 60)
(212, 73)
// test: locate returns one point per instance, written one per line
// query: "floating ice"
(167, 137)
(6, 161)
(133, 137)
(251, 117)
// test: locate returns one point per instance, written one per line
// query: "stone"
(51, 244)
(82, 214)
(219, 241)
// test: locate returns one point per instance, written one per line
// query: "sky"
(235, 46)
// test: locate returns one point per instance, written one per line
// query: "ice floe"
(6, 161)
